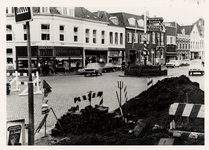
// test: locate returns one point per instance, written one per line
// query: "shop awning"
(95, 49)
(171, 54)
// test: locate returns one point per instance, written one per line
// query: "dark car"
(8, 88)
(93, 68)
(109, 67)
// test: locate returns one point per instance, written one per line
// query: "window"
(61, 37)
(171, 40)
(153, 37)
(111, 38)
(44, 9)
(24, 27)
(9, 27)
(45, 27)
(116, 38)
(25, 37)
(103, 37)
(135, 37)
(129, 37)
(87, 35)
(75, 34)
(45, 32)
(158, 38)
(94, 36)
(148, 38)
(45, 36)
(9, 37)
(162, 39)
(9, 51)
(61, 28)
(121, 38)
(64, 11)
(62, 32)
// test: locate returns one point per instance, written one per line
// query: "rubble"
(97, 126)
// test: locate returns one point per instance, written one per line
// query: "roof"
(123, 18)
(52, 10)
(82, 12)
(187, 28)
(114, 20)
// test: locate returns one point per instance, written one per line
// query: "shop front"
(93, 55)
(55, 59)
(171, 52)
(116, 55)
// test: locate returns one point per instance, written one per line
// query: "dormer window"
(183, 31)
(132, 21)
(140, 23)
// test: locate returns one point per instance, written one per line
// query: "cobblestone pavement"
(66, 87)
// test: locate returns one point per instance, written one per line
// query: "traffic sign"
(23, 14)
(144, 37)
(158, 20)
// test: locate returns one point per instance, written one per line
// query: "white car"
(173, 63)
(195, 66)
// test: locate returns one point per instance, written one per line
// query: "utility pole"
(24, 15)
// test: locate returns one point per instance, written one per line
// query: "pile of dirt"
(151, 105)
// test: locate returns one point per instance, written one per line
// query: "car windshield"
(92, 65)
(196, 63)
(172, 61)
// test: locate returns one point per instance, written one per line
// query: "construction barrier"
(15, 80)
(187, 110)
(149, 82)
(89, 97)
(184, 110)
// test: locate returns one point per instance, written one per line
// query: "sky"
(184, 12)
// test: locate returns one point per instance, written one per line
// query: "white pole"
(145, 20)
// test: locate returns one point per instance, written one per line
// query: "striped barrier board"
(187, 110)
(149, 82)
(85, 97)
(186, 134)
(20, 74)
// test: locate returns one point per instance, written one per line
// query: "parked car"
(8, 88)
(93, 68)
(109, 67)
(185, 62)
(196, 65)
(173, 63)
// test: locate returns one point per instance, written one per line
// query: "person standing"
(77, 65)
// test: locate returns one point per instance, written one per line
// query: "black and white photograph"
(104, 73)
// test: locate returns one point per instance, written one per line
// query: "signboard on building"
(155, 24)
(23, 14)
(155, 20)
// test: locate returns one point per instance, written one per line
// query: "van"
(196, 66)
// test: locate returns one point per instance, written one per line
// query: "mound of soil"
(96, 128)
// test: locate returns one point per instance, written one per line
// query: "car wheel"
(85, 74)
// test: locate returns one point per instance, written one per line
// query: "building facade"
(62, 36)
(197, 40)
(171, 43)
(134, 40)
